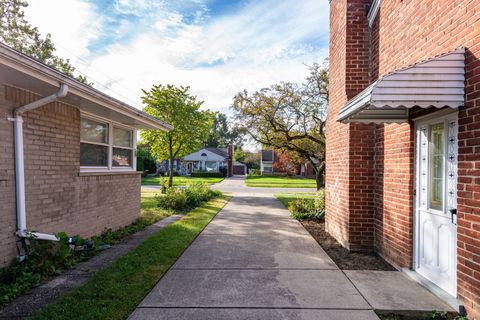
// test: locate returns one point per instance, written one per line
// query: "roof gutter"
(22, 230)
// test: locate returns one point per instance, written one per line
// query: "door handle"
(453, 212)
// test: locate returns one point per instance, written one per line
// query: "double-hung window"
(105, 145)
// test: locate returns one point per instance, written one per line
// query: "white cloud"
(73, 24)
(262, 43)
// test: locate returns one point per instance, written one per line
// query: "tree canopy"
(288, 116)
(18, 33)
(176, 106)
(222, 133)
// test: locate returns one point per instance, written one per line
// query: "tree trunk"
(319, 179)
(170, 165)
(170, 172)
(319, 173)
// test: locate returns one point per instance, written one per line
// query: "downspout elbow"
(62, 92)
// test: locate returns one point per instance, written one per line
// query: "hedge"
(207, 174)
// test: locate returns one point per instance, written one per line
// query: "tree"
(174, 105)
(252, 160)
(239, 155)
(145, 160)
(16, 32)
(287, 162)
(290, 117)
(222, 134)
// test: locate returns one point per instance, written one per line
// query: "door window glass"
(437, 140)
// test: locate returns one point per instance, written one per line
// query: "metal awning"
(19, 70)
(438, 82)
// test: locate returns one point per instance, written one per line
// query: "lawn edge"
(45, 313)
(227, 198)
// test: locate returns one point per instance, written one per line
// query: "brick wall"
(394, 193)
(7, 183)
(404, 33)
(337, 136)
(57, 198)
(350, 147)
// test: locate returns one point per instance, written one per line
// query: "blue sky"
(216, 47)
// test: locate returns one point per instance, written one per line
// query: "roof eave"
(33, 68)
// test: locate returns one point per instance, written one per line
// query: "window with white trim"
(105, 145)
(267, 167)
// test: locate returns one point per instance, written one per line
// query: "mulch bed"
(345, 259)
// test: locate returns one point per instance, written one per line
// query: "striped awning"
(438, 82)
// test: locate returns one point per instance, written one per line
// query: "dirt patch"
(345, 259)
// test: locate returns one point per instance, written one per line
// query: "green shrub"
(193, 195)
(164, 181)
(308, 209)
(201, 174)
(254, 172)
(196, 193)
(320, 200)
(174, 198)
(44, 259)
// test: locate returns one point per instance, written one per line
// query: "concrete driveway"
(254, 262)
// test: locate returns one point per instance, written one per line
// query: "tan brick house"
(403, 138)
(67, 155)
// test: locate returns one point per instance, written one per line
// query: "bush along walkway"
(114, 291)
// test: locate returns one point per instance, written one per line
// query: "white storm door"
(436, 201)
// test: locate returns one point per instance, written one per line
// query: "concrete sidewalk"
(254, 262)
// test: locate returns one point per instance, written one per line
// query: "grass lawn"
(180, 181)
(280, 182)
(285, 198)
(114, 292)
(149, 208)
(19, 278)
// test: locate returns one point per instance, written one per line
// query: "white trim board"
(372, 13)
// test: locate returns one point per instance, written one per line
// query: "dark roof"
(267, 155)
(220, 151)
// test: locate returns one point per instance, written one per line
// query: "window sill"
(107, 173)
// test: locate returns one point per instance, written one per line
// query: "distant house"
(267, 158)
(239, 168)
(209, 160)
(67, 160)
(164, 165)
(306, 170)
(275, 162)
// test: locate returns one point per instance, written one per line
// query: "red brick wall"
(394, 193)
(337, 146)
(57, 198)
(404, 33)
(350, 147)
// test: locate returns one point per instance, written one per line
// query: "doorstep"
(394, 292)
(430, 286)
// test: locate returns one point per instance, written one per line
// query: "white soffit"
(438, 82)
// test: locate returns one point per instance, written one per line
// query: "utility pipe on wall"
(22, 230)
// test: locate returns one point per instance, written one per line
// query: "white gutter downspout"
(20, 164)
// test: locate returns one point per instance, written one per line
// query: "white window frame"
(111, 124)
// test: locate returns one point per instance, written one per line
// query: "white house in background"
(209, 160)
(267, 157)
